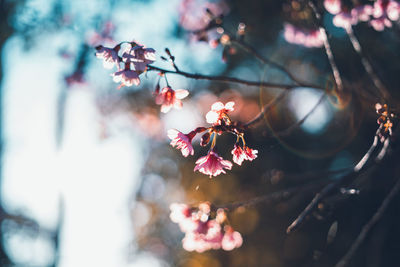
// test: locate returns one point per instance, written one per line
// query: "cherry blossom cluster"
(135, 58)
(204, 229)
(379, 15)
(384, 120)
(307, 38)
(212, 164)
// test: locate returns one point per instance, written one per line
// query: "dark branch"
(367, 227)
(330, 187)
(224, 79)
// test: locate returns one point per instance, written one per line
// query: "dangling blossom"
(217, 112)
(182, 141)
(169, 98)
(212, 164)
(240, 154)
(251, 154)
(202, 232)
(109, 56)
(126, 77)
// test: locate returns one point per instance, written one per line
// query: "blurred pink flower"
(169, 98)
(362, 12)
(181, 141)
(333, 6)
(201, 232)
(380, 23)
(212, 164)
(232, 239)
(109, 56)
(344, 20)
(218, 109)
(193, 15)
(297, 36)
(384, 12)
(126, 77)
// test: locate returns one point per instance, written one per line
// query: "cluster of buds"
(384, 120)
(307, 38)
(134, 57)
(379, 16)
(204, 228)
(212, 164)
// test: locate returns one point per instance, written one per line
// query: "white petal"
(181, 93)
(217, 106)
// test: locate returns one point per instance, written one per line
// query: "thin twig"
(269, 198)
(267, 61)
(266, 108)
(290, 129)
(367, 65)
(225, 79)
(328, 50)
(367, 227)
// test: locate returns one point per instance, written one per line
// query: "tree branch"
(328, 188)
(224, 79)
(328, 50)
(367, 227)
(367, 65)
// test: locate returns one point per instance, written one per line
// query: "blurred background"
(87, 173)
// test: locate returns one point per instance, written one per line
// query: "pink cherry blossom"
(193, 15)
(169, 98)
(139, 56)
(181, 141)
(333, 6)
(109, 56)
(232, 239)
(212, 164)
(362, 12)
(201, 232)
(126, 77)
(306, 38)
(182, 215)
(344, 20)
(214, 116)
(239, 154)
(384, 12)
(251, 154)
(207, 236)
